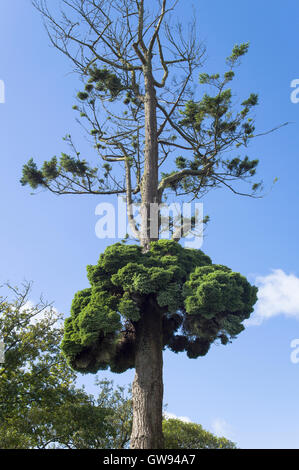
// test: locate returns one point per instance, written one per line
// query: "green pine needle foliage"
(200, 303)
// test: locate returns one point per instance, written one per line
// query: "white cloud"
(278, 295)
(185, 419)
(39, 315)
(221, 428)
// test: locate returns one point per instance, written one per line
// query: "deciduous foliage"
(181, 435)
(40, 404)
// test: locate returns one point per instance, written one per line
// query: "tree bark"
(148, 382)
(149, 189)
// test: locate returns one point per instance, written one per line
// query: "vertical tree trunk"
(149, 189)
(148, 382)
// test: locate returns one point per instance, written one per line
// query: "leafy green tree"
(181, 435)
(40, 404)
(172, 139)
(118, 401)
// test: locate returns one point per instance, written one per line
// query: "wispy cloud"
(278, 295)
(221, 428)
(185, 419)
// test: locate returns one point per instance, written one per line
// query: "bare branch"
(157, 29)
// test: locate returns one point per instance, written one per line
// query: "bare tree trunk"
(149, 190)
(148, 382)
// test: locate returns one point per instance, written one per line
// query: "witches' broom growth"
(199, 303)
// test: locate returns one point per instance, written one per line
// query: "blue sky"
(248, 390)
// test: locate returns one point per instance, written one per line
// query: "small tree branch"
(157, 29)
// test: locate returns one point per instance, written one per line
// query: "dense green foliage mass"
(41, 405)
(181, 435)
(198, 301)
